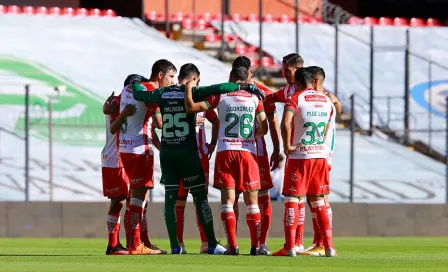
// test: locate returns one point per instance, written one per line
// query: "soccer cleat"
(218, 249)
(315, 251)
(116, 250)
(142, 250)
(122, 247)
(184, 251)
(204, 248)
(177, 250)
(253, 251)
(155, 247)
(285, 252)
(264, 250)
(330, 252)
(299, 249)
(232, 251)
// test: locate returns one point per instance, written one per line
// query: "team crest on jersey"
(173, 95)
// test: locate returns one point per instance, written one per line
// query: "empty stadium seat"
(354, 20)
(42, 11)
(240, 49)
(206, 16)
(55, 11)
(81, 12)
(284, 18)
(385, 21)
(400, 22)
(212, 38)
(68, 11)
(28, 10)
(151, 16)
(417, 22)
(236, 17)
(267, 62)
(304, 20)
(252, 18)
(433, 22)
(268, 18)
(14, 10)
(178, 17)
(255, 62)
(315, 20)
(95, 12)
(370, 21)
(201, 24)
(251, 49)
(187, 23)
(109, 13)
(2, 9)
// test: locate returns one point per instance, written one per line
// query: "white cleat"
(184, 251)
(264, 250)
(292, 252)
(299, 249)
(219, 250)
(330, 252)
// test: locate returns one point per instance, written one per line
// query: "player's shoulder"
(262, 87)
(149, 86)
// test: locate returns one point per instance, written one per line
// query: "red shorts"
(306, 177)
(139, 169)
(236, 170)
(265, 173)
(183, 193)
(115, 182)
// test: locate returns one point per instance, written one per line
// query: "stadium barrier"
(87, 220)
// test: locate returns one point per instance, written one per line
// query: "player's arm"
(128, 110)
(262, 125)
(275, 137)
(190, 105)
(211, 116)
(200, 93)
(109, 107)
(337, 104)
(140, 94)
(157, 118)
(288, 114)
(155, 137)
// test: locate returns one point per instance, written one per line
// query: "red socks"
(253, 218)
(264, 203)
(318, 241)
(180, 213)
(290, 221)
(127, 225)
(301, 223)
(136, 213)
(113, 228)
(144, 228)
(229, 221)
(323, 222)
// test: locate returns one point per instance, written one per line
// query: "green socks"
(205, 215)
(170, 216)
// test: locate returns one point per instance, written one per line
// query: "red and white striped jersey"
(135, 136)
(261, 143)
(312, 114)
(279, 96)
(330, 137)
(109, 154)
(201, 138)
(237, 113)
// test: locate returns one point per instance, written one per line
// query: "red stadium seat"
(28, 10)
(42, 11)
(95, 12)
(161, 18)
(151, 16)
(433, 22)
(206, 16)
(218, 17)
(2, 9)
(417, 22)
(68, 11)
(109, 13)
(385, 21)
(268, 18)
(284, 18)
(304, 20)
(212, 38)
(251, 49)
(354, 20)
(252, 18)
(81, 12)
(315, 20)
(178, 17)
(236, 17)
(201, 24)
(55, 11)
(14, 10)
(187, 23)
(370, 21)
(400, 22)
(267, 61)
(240, 49)
(255, 62)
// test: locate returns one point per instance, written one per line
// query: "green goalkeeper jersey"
(179, 127)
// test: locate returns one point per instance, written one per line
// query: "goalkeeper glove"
(134, 78)
(253, 90)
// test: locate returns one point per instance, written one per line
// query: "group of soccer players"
(245, 113)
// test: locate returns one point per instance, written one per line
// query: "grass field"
(355, 254)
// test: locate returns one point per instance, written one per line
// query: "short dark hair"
(303, 76)
(239, 73)
(162, 65)
(293, 59)
(188, 70)
(317, 71)
(242, 61)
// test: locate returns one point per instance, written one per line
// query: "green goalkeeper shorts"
(182, 165)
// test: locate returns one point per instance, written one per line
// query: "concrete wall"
(65, 219)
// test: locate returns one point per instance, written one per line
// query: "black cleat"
(116, 250)
(232, 251)
(253, 251)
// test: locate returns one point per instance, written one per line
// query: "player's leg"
(317, 247)
(116, 188)
(206, 167)
(264, 203)
(236, 209)
(180, 214)
(300, 227)
(248, 182)
(319, 187)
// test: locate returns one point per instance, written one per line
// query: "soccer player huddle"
(245, 113)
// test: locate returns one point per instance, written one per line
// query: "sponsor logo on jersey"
(252, 183)
(192, 178)
(126, 142)
(173, 95)
(240, 93)
(238, 141)
(315, 98)
(311, 148)
(292, 189)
